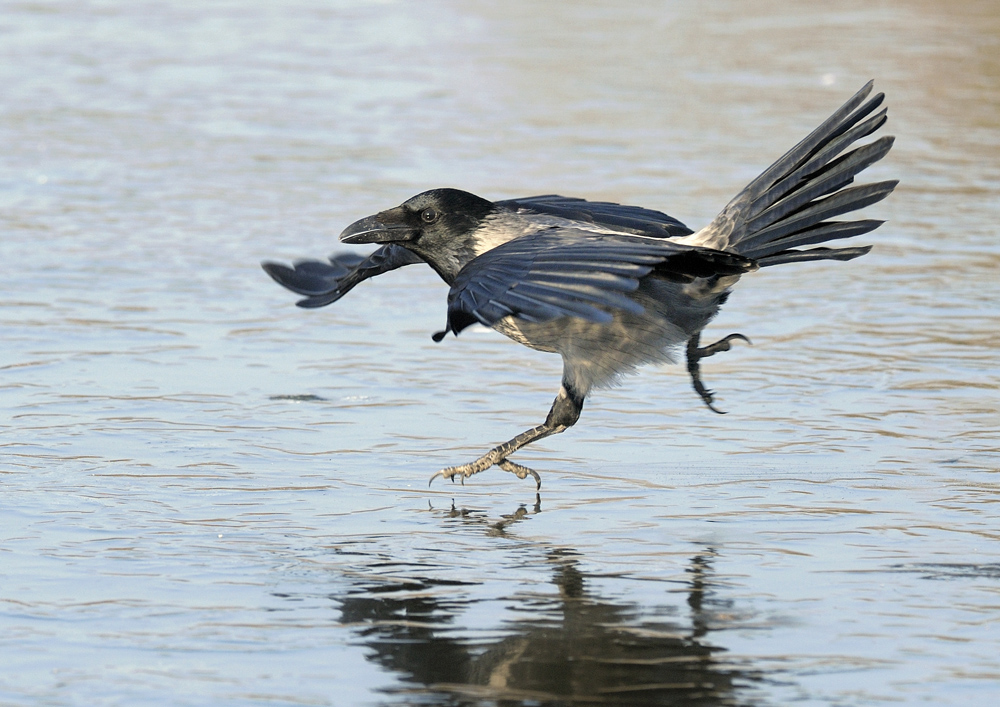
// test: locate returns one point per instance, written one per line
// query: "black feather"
(572, 273)
(326, 282)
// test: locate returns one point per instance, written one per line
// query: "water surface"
(210, 496)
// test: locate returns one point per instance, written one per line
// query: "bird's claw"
(462, 471)
(721, 345)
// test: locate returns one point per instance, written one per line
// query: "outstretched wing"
(573, 273)
(616, 217)
(326, 282)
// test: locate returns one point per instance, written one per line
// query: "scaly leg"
(563, 415)
(695, 354)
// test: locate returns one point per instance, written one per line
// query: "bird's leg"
(696, 353)
(564, 414)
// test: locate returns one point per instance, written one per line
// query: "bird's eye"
(429, 215)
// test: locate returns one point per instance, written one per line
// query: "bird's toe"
(521, 472)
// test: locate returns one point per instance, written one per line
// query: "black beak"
(385, 227)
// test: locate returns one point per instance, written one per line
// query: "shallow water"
(212, 497)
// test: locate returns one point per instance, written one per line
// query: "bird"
(611, 287)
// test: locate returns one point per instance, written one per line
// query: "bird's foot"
(563, 414)
(464, 471)
(696, 353)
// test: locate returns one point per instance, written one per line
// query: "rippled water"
(210, 496)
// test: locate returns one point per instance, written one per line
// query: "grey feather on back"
(627, 219)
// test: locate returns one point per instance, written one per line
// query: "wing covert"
(571, 273)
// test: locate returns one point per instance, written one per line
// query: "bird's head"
(439, 225)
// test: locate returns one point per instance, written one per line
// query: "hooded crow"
(611, 287)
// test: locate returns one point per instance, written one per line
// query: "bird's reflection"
(566, 647)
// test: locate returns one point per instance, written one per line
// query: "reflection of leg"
(564, 413)
(695, 354)
(493, 528)
(700, 567)
(568, 576)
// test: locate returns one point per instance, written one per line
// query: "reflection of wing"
(325, 283)
(627, 219)
(571, 273)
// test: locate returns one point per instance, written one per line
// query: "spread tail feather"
(788, 205)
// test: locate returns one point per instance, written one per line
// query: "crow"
(611, 287)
